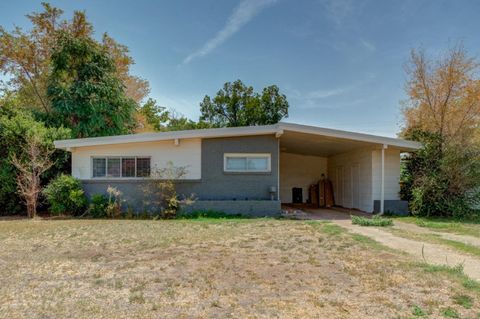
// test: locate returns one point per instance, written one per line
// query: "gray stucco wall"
(215, 185)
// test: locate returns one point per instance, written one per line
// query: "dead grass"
(209, 268)
(447, 225)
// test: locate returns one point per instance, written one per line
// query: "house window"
(247, 163)
(128, 167)
(115, 167)
(99, 167)
(143, 167)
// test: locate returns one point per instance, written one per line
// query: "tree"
(444, 95)
(152, 116)
(30, 168)
(238, 105)
(16, 126)
(157, 118)
(26, 56)
(442, 112)
(84, 91)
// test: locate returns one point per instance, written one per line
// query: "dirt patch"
(196, 269)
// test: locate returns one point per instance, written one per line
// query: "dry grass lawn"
(215, 268)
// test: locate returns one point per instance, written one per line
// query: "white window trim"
(106, 157)
(247, 155)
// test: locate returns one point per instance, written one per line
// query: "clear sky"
(340, 62)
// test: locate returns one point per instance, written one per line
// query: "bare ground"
(192, 269)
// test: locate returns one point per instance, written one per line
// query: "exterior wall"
(392, 174)
(299, 171)
(219, 185)
(342, 170)
(349, 168)
(187, 154)
(258, 208)
(214, 186)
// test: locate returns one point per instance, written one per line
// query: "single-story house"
(249, 170)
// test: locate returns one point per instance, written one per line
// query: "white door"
(339, 186)
(355, 186)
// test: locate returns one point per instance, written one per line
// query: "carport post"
(382, 190)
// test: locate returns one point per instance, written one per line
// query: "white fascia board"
(362, 137)
(277, 129)
(163, 136)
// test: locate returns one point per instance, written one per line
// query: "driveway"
(421, 250)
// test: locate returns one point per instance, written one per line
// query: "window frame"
(268, 156)
(121, 166)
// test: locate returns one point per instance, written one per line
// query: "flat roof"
(277, 129)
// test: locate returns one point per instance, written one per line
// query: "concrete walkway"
(470, 240)
(433, 253)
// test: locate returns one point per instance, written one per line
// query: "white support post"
(382, 189)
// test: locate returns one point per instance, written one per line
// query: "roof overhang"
(277, 129)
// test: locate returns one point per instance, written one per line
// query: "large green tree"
(239, 105)
(85, 93)
(26, 56)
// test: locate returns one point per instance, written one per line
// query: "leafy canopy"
(85, 93)
(238, 105)
(26, 56)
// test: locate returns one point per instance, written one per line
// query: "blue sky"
(340, 62)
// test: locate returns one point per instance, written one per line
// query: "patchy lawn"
(216, 268)
(470, 228)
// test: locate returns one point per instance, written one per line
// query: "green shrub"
(208, 214)
(441, 179)
(98, 206)
(65, 195)
(374, 221)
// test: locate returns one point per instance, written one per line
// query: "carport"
(364, 169)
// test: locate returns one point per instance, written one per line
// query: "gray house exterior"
(245, 170)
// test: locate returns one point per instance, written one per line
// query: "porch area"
(328, 168)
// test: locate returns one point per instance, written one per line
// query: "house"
(247, 169)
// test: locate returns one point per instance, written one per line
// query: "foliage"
(198, 214)
(26, 56)
(153, 116)
(238, 105)
(374, 221)
(65, 196)
(443, 96)
(17, 130)
(98, 206)
(441, 180)
(162, 191)
(443, 112)
(85, 93)
(157, 118)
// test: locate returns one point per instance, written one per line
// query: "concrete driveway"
(422, 251)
